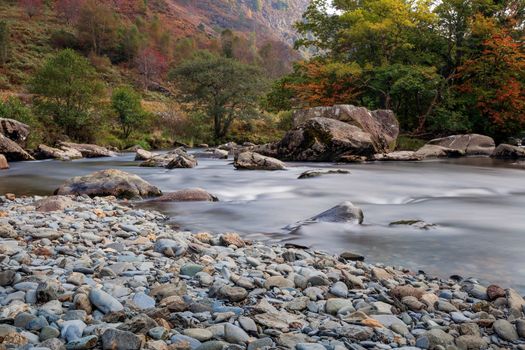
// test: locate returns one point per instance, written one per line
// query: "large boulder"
(178, 158)
(505, 151)
(187, 195)
(14, 130)
(322, 140)
(435, 151)
(381, 124)
(3, 163)
(88, 150)
(12, 150)
(470, 144)
(256, 161)
(62, 153)
(109, 182)
(344, 212)
(182, 161)
(142, 154)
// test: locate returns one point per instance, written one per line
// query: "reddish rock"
(495, 292)
(3, 162)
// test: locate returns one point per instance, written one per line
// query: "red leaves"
(31, 7)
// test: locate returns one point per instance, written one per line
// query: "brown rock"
(53, 203)
(505, 151)
(187, 195)
(3, 162)
(232, 239)
(435, 151)
(469, 144)
(494, 292)
(63, 153)
(109, 182)
(88, 150)
(12, 151)
(142, 154)
(256, 161)
(403, 291)
(14, 130)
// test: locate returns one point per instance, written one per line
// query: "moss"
(407, 143)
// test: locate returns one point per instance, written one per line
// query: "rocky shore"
(96, 273)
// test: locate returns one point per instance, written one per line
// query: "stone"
(309, 346)
(182, 161)
(114, 339)
(88, 150)
(7, 277)
(12, 151)
(333, 305)
(494, 292)
(471, 342)
(158, 333)
(235, 335)
(382, 125)
(72, 330)
(104, 302)
(344, 212)
(62, 153)
(15, 131)
(435, 151)
(234, 294)
(190, 269)
(505, 330)
(503, 151)
(339, 289)
(53, 203)
(262, 343)
(469, 144)
(142, 154)
(232, 238)
(184, 342)
(279, 282)
(109, 182)
(520, 327)
(256, 161)
(516, 303)
(3, 162)
(187, 195)
(170, 247)
(320, 172)
(405, 156)
(437, 337)
(143, 301)
(200, 334)
(350, 256)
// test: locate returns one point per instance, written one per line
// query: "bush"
(61, 39)
(407, 143)
(15, 109)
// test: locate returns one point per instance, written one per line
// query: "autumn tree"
(97, 26)
(31, 7)
(68, 9)
(150, 64)
(220, 87)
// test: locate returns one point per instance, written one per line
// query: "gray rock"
(505, 330)
(85, 343)
(104, 302)
(114, 339)
(234, 334)
(143, 301)
(344, 212)
(72, 330)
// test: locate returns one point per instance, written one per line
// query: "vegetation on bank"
(110, 73)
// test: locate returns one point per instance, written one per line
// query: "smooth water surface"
(478, 206)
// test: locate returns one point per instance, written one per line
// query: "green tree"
(67, 91)
(221, 87)
(130, 114)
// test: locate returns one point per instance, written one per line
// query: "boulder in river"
(420, 224)
(213, 153)
(177, 158)
(505, 151)
(182, 161)
(12, 151)
(62, 153)
(435, 151)
(469, 144)
(142, 154)
(344, 212)
(398, 156)
(3, 163)
(187, 195)
(381, 124)
(109, 182)
(256, 161)
(320, 172)
(14, 130)
(89, 150)
(321, 140)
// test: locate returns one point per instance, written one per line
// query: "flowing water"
(477, 204)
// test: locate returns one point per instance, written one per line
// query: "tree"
(4, 42)
(97, 26)
(31, 7)
(126, 104)
(150, 63)
(68, 9)
(221, 87)
(67, 90)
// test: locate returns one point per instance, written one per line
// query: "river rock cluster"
(96, 273)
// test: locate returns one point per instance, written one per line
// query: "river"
(477, 204)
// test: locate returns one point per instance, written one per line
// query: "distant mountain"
(269, 19)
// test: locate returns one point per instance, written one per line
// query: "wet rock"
(182, 161)
(320, 172)
(109, 183)
(187, 195)
(344, 212)
(469, 144)
(404, 156)
(256, 161)
(420, 224)
(88, 150)
(503, 151)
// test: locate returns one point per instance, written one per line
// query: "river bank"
(99, 273)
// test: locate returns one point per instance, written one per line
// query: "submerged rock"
(398, 156)
(505, 151)
(344, 212)
(187, 195)
(320, 172)
(88, 150)
(109, 182)
(420, 224)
